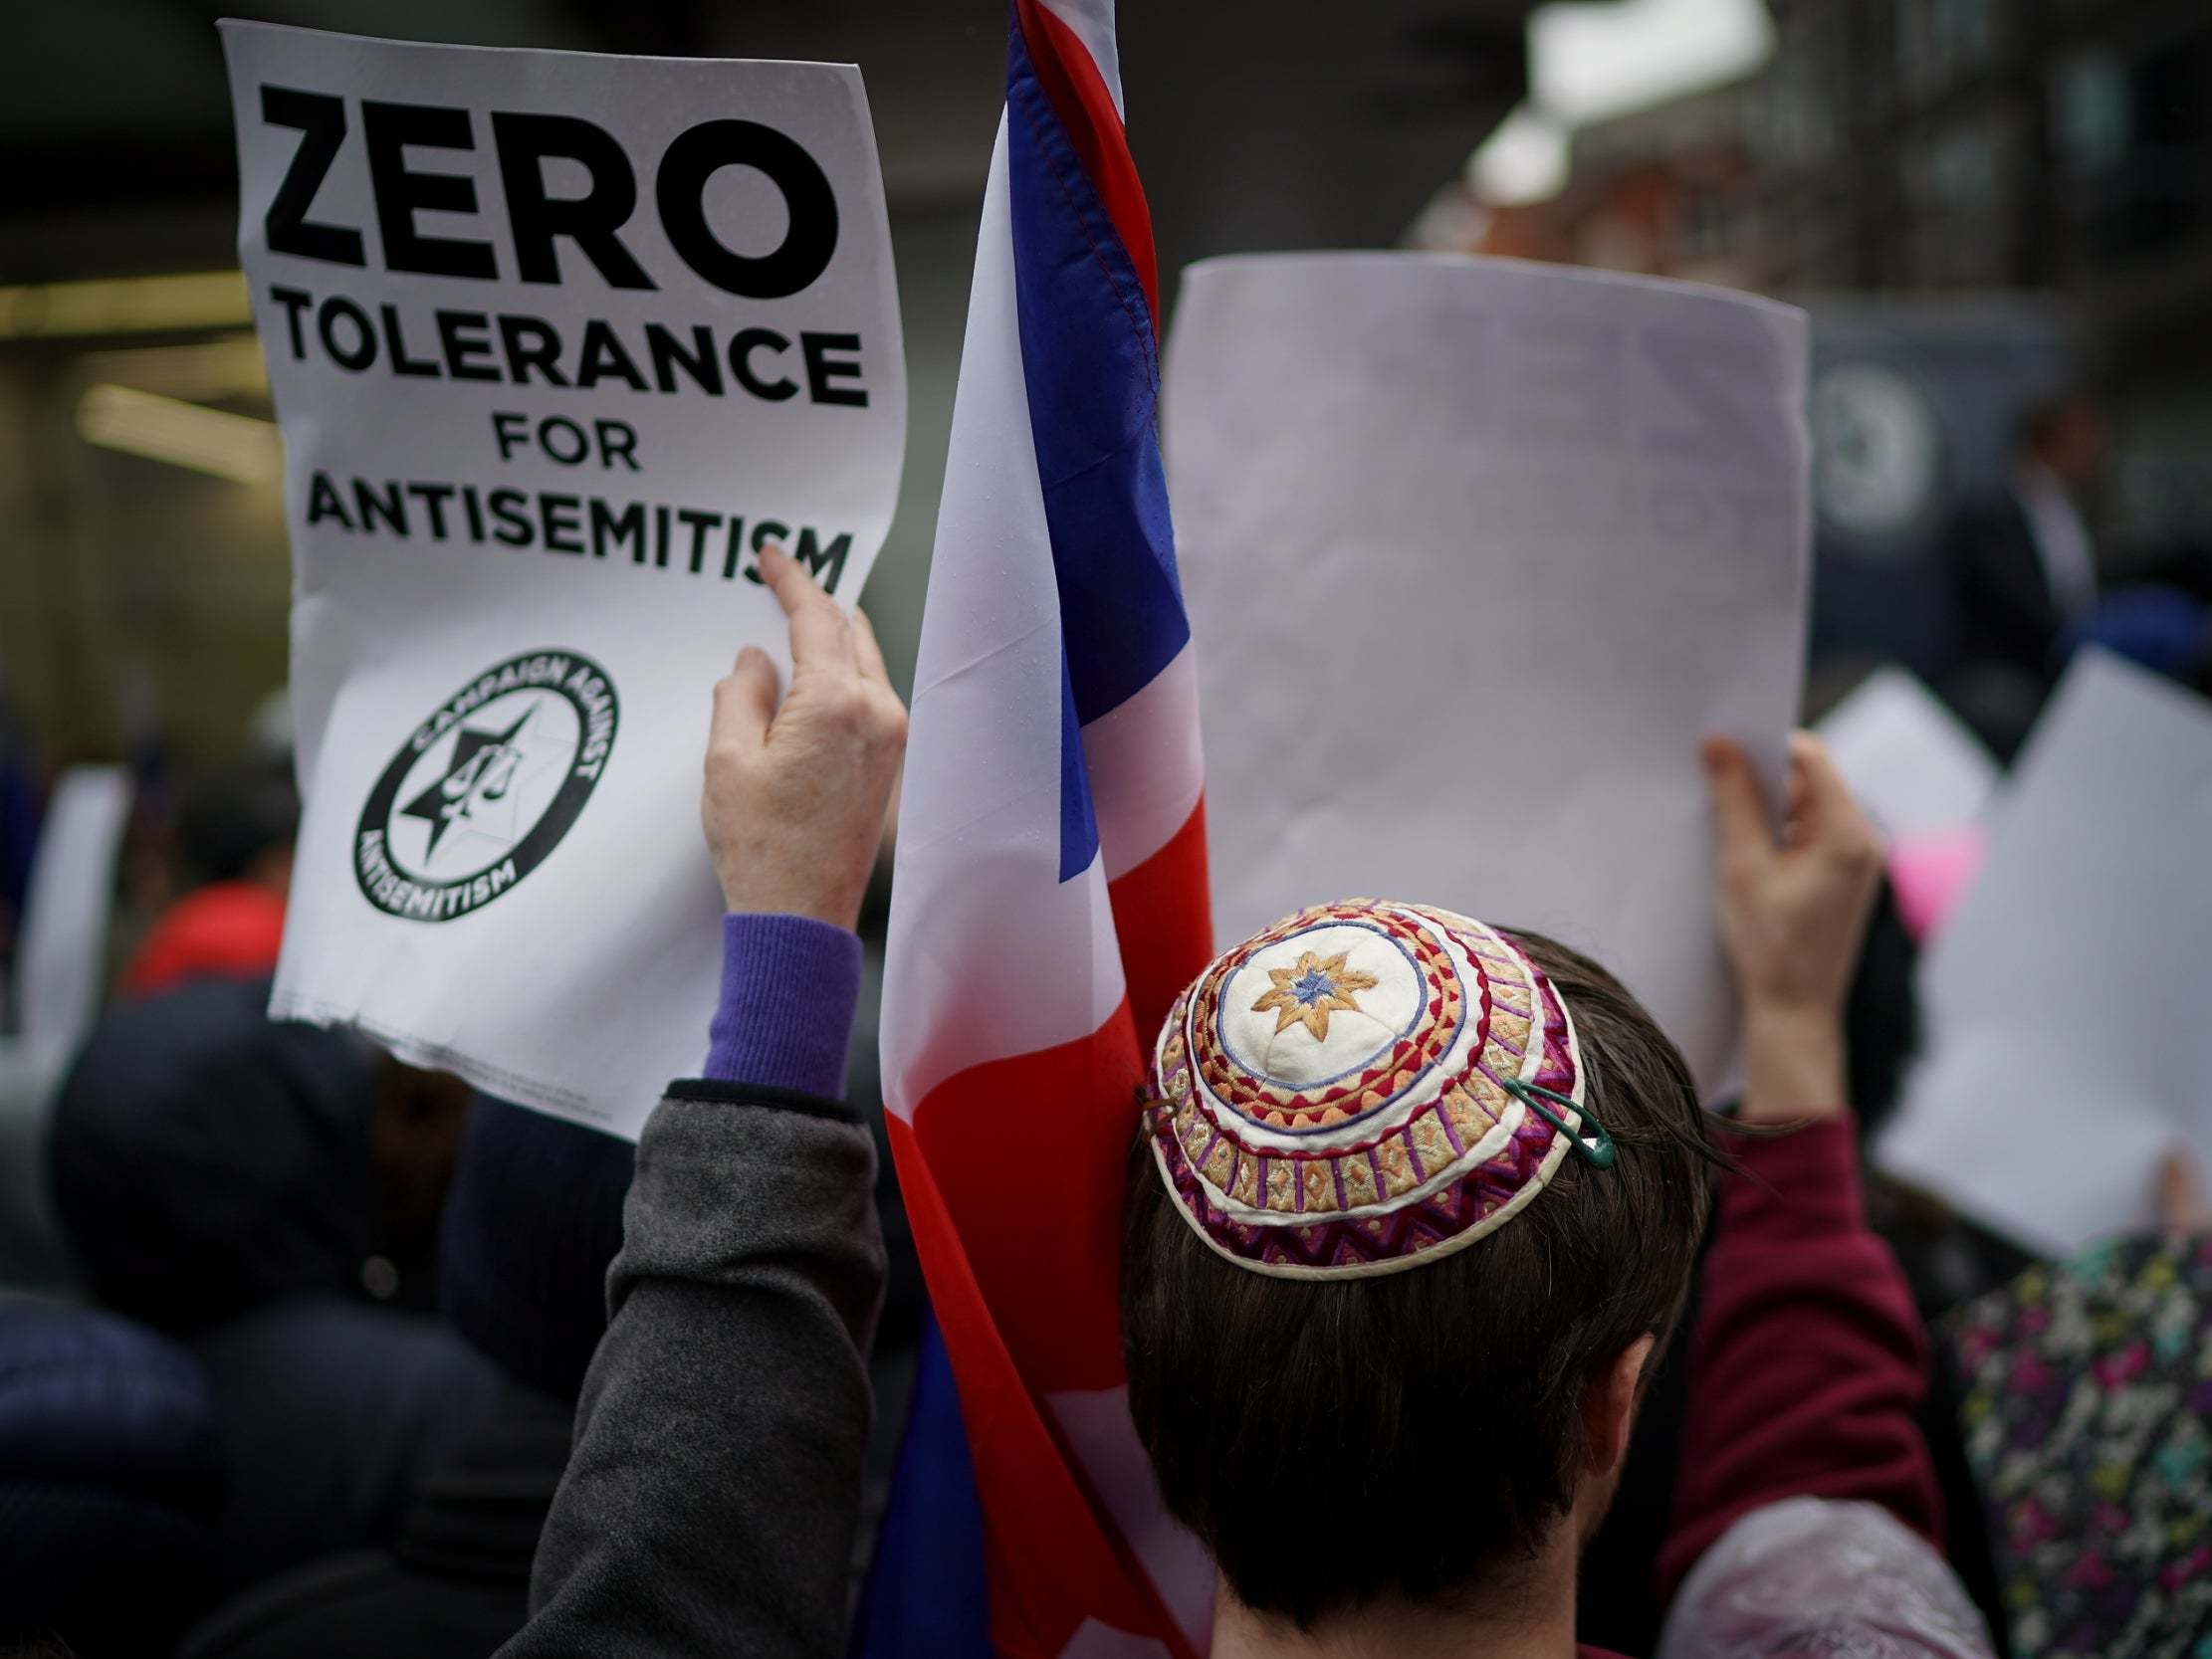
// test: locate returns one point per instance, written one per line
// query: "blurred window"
(1941, 40)
(2133, 137)
(1792, 115)
(2089, 111)
(1706, 221)
(1961, 189)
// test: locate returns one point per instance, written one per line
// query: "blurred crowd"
(2027, 587)
(308, 1352)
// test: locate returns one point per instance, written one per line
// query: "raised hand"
(795, 795)
(1793, 914)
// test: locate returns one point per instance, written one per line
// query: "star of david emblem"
(1306, 992)
(485, 785)
(480, 773)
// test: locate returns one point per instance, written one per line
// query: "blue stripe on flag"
(926, 1597)
(1092, 364)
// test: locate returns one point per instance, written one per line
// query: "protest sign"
(2065, 999)
(1476, 552)
(558, 342)
(1913, 765)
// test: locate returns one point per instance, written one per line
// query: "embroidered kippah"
(1359, 1090)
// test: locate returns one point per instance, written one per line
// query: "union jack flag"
(1050, 896)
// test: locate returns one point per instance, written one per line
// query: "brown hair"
(1419, 1433)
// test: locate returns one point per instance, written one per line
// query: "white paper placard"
(1913, 765)
(557, 342)
(63, 961)
(1476, 552)
(2069, 1002)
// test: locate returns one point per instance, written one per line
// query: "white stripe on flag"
(1098, 1429)
(1093, 23)
(1093, 1640)
(1146, 766)
(990, 954)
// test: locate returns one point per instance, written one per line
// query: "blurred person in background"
(2086, 1407)
(110, 1482)
(533, 1222)
(2162, 625)
(2021, 568)
(234, 842)
(270, 1198)
(234, 1183)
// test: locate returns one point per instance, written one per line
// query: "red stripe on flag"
(1029, 1156)
(1164, 920)
(1094, 127)
(1048, 1560)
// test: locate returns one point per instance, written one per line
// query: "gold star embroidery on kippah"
(1305, 993)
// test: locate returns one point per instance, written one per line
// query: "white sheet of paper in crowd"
(1915, 765)
(2067, 1001)
(63, 961)
(557, 342)
(1475, 551)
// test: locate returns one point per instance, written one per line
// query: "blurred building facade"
(1927, 148)
(143, 571)
(1917, 146)
(1668, 191)
(1980, 197)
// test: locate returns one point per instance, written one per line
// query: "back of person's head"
(1366, 1374)
(238, 823)
(205, 1159)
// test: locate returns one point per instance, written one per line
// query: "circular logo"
(1320, 1005)
(486, 787)
(1877, 450)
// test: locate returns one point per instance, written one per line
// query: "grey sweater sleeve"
(710, 1503)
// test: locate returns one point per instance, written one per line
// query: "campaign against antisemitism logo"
(487, 786)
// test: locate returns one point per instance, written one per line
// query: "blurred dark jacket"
(531, 1221)
(108, 1464)
(2001, 599)
(205, 1160)
(532, 1224)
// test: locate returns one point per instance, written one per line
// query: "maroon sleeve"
(1808, 1358)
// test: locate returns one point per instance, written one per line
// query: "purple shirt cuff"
(788, 987)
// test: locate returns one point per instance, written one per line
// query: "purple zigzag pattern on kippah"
(1355, 1241)
(1554, 1073)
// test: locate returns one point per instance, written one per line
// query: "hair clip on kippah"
(1594, 1147)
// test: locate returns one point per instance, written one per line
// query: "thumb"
(745, 700)
(1739, 810)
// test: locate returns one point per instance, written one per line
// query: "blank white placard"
(1475, 551)
(2069, 1001)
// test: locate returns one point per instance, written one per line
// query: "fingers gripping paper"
(1477, 551)
(558, 342)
